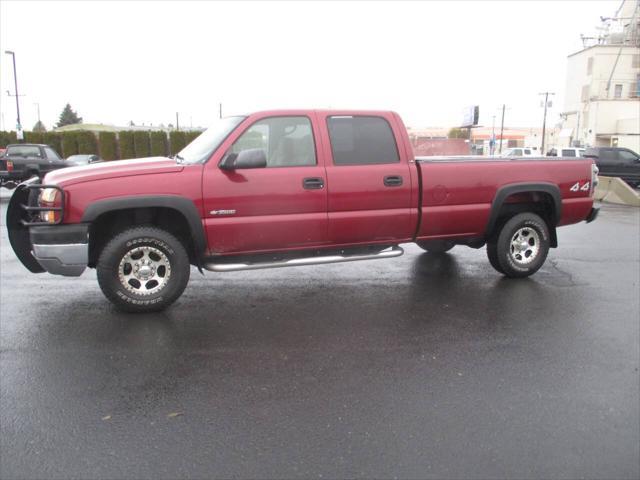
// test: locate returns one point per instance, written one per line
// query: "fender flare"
(182, 205)
(508, 190)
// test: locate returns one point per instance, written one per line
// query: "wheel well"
(540, 203)
(108, 224)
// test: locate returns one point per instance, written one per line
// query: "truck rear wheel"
(436, 246)
(522, 246)
(143, 269)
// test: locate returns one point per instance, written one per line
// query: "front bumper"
(59, 249)
(593, 214)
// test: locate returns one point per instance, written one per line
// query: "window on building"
(585, 93)
(362, 141)
(617, 91)
(589, 65)
(635, 61)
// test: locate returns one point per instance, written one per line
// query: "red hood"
(113, 169)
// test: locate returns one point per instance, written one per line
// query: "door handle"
(392, 181)
(313, 183)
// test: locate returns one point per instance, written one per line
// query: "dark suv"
(617, 162)
(25, 160)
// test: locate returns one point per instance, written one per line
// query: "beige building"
(602, 96)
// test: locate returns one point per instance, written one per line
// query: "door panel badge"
(219, 213)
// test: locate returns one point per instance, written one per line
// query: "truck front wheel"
(522, 246)
(143, 269)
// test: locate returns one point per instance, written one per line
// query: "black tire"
(436, 246)
(492, 255)
(522, 246)
(133, 260)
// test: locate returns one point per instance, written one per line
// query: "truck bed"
(457, 193)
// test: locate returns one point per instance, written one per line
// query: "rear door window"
(23, 151)
(362, 140)
(607, 155)
(627, 157)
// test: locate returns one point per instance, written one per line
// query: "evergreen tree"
(68, 117)
(39, 127)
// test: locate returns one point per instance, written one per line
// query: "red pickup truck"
(288, 188)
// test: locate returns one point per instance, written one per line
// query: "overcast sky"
(143, 61)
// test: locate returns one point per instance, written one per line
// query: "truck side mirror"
(251, 158)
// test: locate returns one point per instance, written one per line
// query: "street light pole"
(544, 120)
(493, 136)
(501, 128)
(15, 81)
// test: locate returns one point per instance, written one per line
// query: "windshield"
(203, 146)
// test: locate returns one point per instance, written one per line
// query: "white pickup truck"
(520, 152)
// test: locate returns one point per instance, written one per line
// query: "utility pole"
(37, 104)
(220, 110)
(15, 81)
(177, 122)
(501, 128)
(493, 136)
(544, 120)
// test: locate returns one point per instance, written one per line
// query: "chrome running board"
(299, 262)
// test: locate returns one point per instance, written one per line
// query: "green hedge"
(108, 145)
(141, 144)
(54, 140)
(34, 137)
(177, 141)
(7, 138)
(69, 144)
(159, 144)
(87, 143)
(191, 136)
(127, 149)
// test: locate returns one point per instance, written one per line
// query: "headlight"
(48, 195)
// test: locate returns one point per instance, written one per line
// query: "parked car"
(520, 152)
(617, 162)
(25, 160)
(81, 159)
(566, 152)
(287, 188)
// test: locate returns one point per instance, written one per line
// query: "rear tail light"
(594, 177)
(9, 166)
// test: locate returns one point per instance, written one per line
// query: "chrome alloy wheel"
(144, 270)
(525, 245)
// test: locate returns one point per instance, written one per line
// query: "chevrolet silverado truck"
(289, 188)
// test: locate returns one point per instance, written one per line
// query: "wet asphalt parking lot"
(419, 367)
